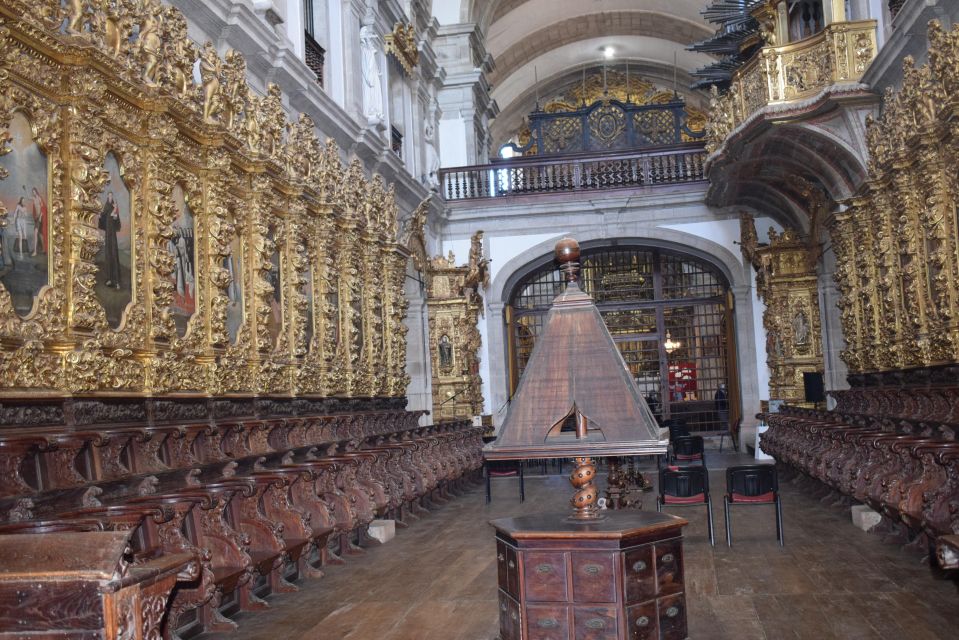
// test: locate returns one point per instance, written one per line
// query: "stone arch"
(739, 277)
(539, 254)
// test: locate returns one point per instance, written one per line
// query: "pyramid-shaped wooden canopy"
(576, 371)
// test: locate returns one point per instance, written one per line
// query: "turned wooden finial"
(567, 255)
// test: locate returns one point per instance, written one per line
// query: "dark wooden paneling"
(50, 606)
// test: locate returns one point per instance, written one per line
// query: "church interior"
(479, 319)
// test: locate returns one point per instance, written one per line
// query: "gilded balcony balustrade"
(788, 74)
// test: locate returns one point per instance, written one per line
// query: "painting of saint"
(234, 292)
(275, 321)
(181, 248)
(24, 241)
(114, 286)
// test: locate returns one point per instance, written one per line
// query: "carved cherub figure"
(210, 69)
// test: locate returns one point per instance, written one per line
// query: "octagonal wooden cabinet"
(617, 578)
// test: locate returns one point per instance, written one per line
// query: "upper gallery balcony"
(619, 133)
(777, 55)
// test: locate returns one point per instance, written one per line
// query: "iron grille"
(643, 293)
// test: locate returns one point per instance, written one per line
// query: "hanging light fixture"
(671, 345)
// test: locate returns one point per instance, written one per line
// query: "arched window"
(669, 313)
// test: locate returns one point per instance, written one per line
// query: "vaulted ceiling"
(553, 39)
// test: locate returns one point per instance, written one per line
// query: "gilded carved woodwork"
(786, 282)
(401, 44)
(455, 305)
(166, 233)
(896, 246)
(789, 73)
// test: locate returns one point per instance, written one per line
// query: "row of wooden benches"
(908, 473)
(55, 458)
(263, 504)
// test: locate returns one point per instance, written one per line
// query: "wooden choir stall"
(202, 338)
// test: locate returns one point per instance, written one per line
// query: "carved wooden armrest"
(947, 551)
(14, 450)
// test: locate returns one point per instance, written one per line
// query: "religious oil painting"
(24, 237)
(233, 263)
(182, 248)
(114, 286)
(275, 319)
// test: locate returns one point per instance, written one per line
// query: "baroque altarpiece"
(162, 235)
(787, 283)
(454, 308)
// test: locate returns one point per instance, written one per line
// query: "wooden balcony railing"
(676, 164)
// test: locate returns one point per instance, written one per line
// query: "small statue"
(234, 87)
(445, 348)
(75, 15)
(372, 76)
(210, 69)
(150, 41)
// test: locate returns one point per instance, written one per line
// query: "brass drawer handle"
(668, 557)
(639, 566)
(512, 615)
(672, 612)
(642, 621)
(511, 564)
(502, 606)
(547, 623)
(596, 623)
(592, 569)
(501, 557)
(544, 568)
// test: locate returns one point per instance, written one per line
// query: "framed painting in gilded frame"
(25, 234)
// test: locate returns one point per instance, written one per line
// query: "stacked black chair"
(689, 449)
(753, 484)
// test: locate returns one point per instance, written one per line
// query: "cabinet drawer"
(545, 622)
(669, 567)
(507, 569)
(545, 575)
(509, 618)
(501, 565)
(595, 623)
(640, 574)
(594, 578)
(672, 617)
(642, 622)
(512, 572)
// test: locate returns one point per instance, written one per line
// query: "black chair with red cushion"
(686, 486)
(689, 449)
(753, 484)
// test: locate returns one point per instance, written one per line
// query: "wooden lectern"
(590, 573)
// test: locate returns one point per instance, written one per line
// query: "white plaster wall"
(452, 138)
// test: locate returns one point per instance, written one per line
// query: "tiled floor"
(437, 579)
